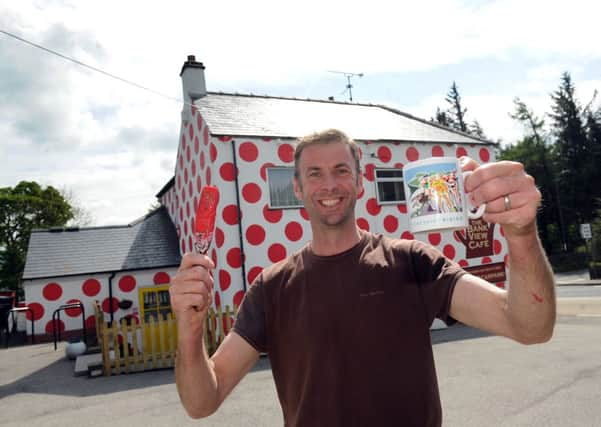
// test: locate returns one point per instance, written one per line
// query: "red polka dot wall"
(251, 233)
(45, 296)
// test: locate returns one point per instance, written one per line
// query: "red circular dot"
(213, 153)
(449, 251)
(434, 238)
(38, 311)
(286, 153)
(230, 214)
(255, 234)
(407, 235)
(227, 171)
(193, 168)
(73, 312)
(190, 130)
(272, 215)
(202, 160)
(225, 280)
(502, 231)
(183, 246)
(50, 328)
(263, 170)
(437, 151)
(188, 153)
(363, 224)
(486, 260)
(91, 323)
(402, 207)
(460, 152)
(199, 122)
(234, 258)
(497, 247)
(52, 291)
(293, 231)
(224, 138)
(190, 244)
(186, 177)
(238, 297)
(248, 151)
(127, 283)
(208, 176)
(384, 154)
(161, 278)
(463, 263)
(217, 299)
(304, 214)
(369, 171)
(372, 207)
(205, 136)
(190, 188)
(214, 256)
(484, 154)
(276, 252)
(91, 287)
(251, 193)
(198, 183)
(253, 273)
(219, 237)
(391, 223)
(398, 165)
(106, 305)
(412, 154)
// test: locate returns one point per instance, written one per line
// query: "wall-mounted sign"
(477, 238)
(493, 273)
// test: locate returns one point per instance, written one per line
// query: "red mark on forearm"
(537, 297)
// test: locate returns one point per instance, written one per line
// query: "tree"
(81, 216)
(535, 153)
(23, 208)
(456, 110)
(573, 152)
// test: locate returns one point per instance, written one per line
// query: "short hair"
(327, 136)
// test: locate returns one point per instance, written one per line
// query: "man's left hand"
(511, 196)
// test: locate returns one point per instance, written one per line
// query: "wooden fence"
(137, 346)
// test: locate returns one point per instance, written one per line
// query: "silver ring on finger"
(507, 202)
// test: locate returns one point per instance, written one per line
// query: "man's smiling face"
(328, 184)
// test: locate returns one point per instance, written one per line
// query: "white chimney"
(193, 79)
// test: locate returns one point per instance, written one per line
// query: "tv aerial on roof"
(349, 85)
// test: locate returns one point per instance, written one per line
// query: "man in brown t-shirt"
(345, 321)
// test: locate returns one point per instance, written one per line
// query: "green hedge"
(563, 262)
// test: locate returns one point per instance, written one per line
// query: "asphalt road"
(484, 381)
(578, 291)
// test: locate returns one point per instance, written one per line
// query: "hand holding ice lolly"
(204, 225)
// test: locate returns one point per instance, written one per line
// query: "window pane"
(391, 191)
(281, 191)
(389, 173)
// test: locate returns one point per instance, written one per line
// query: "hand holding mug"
(511, 196)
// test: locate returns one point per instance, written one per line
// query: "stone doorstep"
(83, 362)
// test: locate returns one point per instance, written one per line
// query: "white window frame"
(396, 179)
(270, 203)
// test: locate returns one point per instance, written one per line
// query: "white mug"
(435, 195)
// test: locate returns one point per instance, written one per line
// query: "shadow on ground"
(57, 378)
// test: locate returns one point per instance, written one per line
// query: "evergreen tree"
(573, 153)
(536, 155)
(456, 110)
(476, 130)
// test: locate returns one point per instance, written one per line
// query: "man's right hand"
(191, 292)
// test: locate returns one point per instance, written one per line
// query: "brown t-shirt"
(348, 336)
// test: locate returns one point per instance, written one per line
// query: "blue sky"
(67, 126)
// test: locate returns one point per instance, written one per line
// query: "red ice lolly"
(204, 225)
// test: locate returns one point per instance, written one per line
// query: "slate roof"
(150, 242)
(264, 116)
